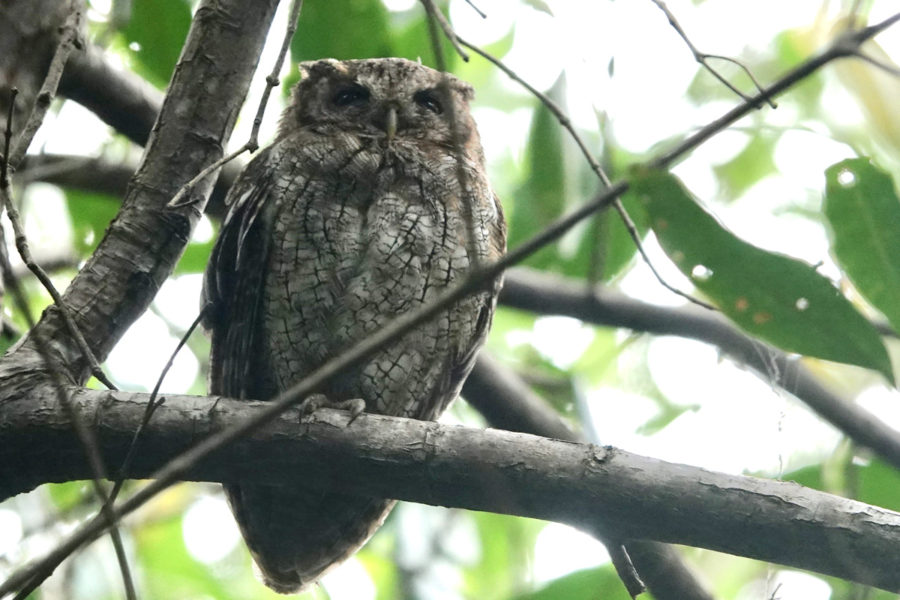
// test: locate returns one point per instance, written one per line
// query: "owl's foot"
(355, 406)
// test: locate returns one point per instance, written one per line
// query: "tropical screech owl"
(361, 210)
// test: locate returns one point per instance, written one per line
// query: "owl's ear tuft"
(463, 89)
(321, 68)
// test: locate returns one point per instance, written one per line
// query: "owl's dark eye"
(429, 100)
(350, 96)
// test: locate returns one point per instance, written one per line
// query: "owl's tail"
(296, 535)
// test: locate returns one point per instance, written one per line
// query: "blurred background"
(632, 88)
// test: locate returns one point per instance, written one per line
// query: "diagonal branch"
(703, 57)
(142, 245)
(122, 310)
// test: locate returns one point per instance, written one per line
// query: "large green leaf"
(342, 29)
(411, 40)
(864, 213)
(541, 198)
(155, 34)
(776, 298)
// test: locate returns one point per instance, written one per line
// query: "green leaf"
(159, 28)
(507, 545)
(863, 210)
(91, 214)
(587, 584)
(68, 495)
(342, 29)
(776, 298)
(413, 41)
(607, 243)
(751, 164)
(195, 257)
(541, 198)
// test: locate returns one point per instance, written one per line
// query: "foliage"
(816, 299)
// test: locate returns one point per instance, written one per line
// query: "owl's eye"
(351, 95)
(429, 100)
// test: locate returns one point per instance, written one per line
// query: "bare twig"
(436, 19)
(436, 15)
(70, 40)
(152, 405)
(566, 123)
(183, 197)
(846, 44)
(636, 237)
(172, 471)
(25, 253)
(476, 9)
(89, 443)
(7, 138)
(703, 58)
(892, 69)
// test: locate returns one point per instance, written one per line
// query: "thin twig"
(846, 44)
(476, 9)
(152, 405)
(7, 138)
(625, 569)
(435, 20)
(12, 158)
(435, 13)
(636, 236)
(25, 253)
(703, 58)
(69, 41)
(169, 473)
(566, 123)
(183, 196)
(892, 69)
(88, 441)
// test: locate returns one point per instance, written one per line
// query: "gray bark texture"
(584, 485)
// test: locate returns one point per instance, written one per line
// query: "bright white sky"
(742, 423)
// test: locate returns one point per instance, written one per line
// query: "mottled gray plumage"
(358, 212)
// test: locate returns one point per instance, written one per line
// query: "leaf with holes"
(776, 298)
(863, 210)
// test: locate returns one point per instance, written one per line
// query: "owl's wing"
(485, 304)
(232, 286)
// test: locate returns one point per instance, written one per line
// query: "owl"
(371, 201)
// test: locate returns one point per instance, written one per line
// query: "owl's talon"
(355, 406)
(312, 404)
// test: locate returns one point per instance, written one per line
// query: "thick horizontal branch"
(509, 403)
(489, 470)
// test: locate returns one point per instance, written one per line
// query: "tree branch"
(121, 99)
(551, 294)
(508, 403)
(490, 470)
(144, 242)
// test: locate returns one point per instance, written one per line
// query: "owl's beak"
(390, 123)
